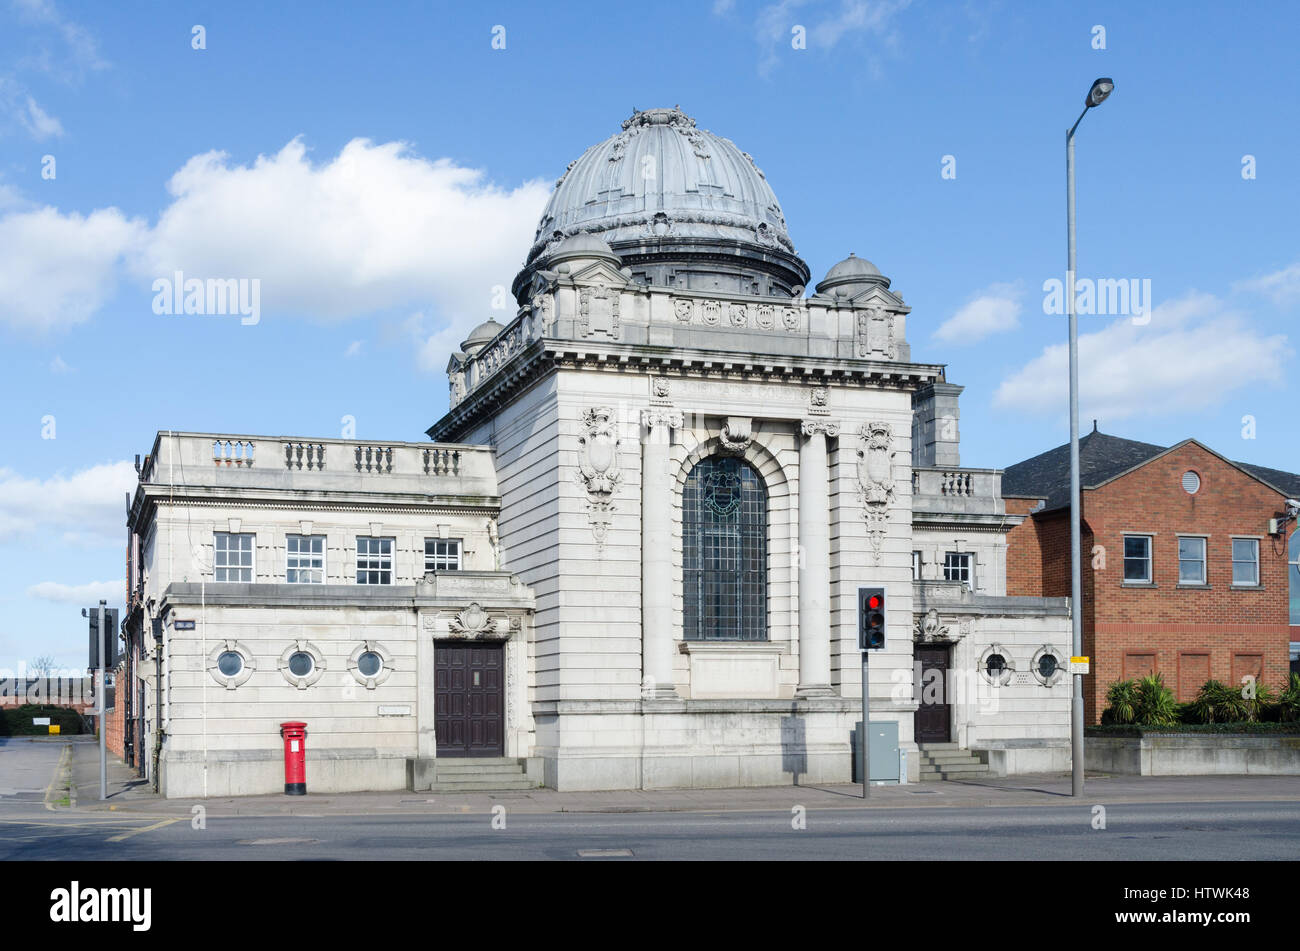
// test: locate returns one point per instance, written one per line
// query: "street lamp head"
(1101, 88)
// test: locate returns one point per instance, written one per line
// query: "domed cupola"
(851, 277)
(481, 336)
(680, 206)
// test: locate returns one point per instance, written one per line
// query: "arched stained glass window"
(724, 551)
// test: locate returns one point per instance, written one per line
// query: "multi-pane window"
(374, 560)
(1191, 561)
(916, 566)
(1245, 561)
(232, 556)
(305, 559)
(442, 554)
(1137, 558)
(724, 551)
(957, 567)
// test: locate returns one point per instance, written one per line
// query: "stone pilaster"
(656, 555)
(814, 559)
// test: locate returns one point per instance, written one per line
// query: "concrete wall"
(1194, 755)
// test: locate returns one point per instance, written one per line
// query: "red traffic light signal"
(871, 618)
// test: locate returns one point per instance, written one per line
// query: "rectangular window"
(1191, 561)
(232, 557)
(374, 560)
(442, 554)
(1245, 561)
(916, 566)
(305, 559)
(957, 567)
(1137, 558)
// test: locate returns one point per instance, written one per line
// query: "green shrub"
(1288, 702)
(1216, 703)
(17, 721)
(1146, 701)
(1121, 702)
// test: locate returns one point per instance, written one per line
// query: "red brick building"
(1181, 574)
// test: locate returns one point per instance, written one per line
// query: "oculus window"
(724, 551)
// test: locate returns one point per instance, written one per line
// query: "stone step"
(446, 769)
(950, 761)
(482, 785)
(955, 768)
(924, 747)
(473, 762)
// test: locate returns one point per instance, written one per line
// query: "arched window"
(724, 551)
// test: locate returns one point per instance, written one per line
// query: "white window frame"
(1204, 559)
(1150, 558)
(298, 556)
(916, 565)
(392, 544)
(219, 569)
(1232, 554)
(968, 568)
(430, 560)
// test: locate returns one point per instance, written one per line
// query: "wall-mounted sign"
(40, 721)
(179, 625)
(1079, 665)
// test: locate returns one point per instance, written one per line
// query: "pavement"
(128, 793)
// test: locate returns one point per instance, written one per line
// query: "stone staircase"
(946, 761)
(479, 774)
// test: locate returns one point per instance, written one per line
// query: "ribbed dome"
(663, 190)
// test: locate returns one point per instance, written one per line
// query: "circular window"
(1047, 665)
(369, 664)
(300, 664)
(230, 663)
(1191, 482)
(996, 664)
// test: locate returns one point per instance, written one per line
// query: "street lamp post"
(1096, 96)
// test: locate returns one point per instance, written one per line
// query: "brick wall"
(1179, 631)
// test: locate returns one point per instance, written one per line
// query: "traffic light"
(871, 619)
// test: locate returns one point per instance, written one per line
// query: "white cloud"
(87, 594)
(374, 229)
(87, 507)
(353, 349)
(57, 365)
(872, 19)
(56, 269)
(1192, 353)
(996, 309)
(39, 124)
(858, 16)
(1282, 286)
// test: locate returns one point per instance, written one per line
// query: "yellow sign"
(1079, 665)
(1079, 660)
(54, 728)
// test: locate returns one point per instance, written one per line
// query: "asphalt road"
(34, 826)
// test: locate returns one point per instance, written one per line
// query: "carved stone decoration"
(736, 434)
(927, 628)
(739, 315)
(766, 316)
(876, 480)
(598, 470)
(818, 397)
(544, 312)
(659, 387)
(711, 312)
(494, 540)
(684, 308)
(598, 311)
(790, 318)
(810, 427)
(475, 622)
(875, 328)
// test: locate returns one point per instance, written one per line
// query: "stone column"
(656, 556)
(815, 560)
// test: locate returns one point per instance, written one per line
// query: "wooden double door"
(469, 698)
(933, 718)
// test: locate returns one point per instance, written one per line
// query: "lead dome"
(679, 205)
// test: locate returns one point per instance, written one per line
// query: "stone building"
(676, 469)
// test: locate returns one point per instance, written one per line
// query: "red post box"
(295, 758)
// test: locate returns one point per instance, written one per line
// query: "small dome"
(582, 247)
(481, 335)
(853, 275)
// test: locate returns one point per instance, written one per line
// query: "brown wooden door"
(933, 722)
(469, 699)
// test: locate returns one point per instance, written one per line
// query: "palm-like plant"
(1156, 704)
(1216, 703)
(1288, 703)
(1122, 700)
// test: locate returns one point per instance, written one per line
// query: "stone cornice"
(545, 355)
(226, 497)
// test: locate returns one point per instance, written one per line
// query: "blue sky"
(381, 169)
